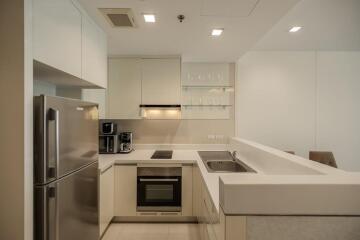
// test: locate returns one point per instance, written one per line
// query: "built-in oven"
(159, 189)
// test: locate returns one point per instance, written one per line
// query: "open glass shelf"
(206, 86)
(206, 105)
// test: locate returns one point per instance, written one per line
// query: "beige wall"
(178, 131)
(16, 120)
(275, 99)
(182, 131)
(301, 101)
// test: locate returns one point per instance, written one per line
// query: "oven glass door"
(159, 191)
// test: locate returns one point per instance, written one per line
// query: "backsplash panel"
(178, 131)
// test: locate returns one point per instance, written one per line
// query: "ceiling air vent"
(119, 17)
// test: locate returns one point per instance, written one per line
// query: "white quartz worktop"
(143, 156)
(283, 184)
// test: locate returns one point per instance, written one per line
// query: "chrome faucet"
(233, 154)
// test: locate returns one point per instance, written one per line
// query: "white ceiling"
(244, 21)
(327, 25)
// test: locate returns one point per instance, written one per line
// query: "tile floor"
(152, 231)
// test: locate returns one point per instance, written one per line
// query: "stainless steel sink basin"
(223, 161)
(225, 166)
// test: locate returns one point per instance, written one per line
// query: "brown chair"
(326, 158)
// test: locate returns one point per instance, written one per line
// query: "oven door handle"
(158, 180)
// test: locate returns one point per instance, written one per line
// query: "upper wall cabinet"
(124, 90)
(57, 35)
(161, 81)
(136, 81)
(94, 53)
(65, 38)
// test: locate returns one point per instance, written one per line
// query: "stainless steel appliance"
(65, 169)
(125, 142)
(108, 144)
(159, 189)
(108, 128)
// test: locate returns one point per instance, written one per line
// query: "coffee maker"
(108, 138)
(125, 142)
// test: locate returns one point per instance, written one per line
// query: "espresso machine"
(125, 142)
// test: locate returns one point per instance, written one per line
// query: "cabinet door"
(96, 96)
(186, 190)
(124, 88)
(94, 53)
(210, 215)
(57, 35)
(201, 209)
(125, 190)
(219, 226)
(161, 81)
(196, 191)
(106, 212)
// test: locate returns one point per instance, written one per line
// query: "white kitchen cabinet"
(161, 81)
(125, 190)
(210, 215)
(124, 88)
(136, 81)
(106, 198)
(186, 189)
(196, 191)
(94, 53)
(57, 35)
(211, 223)
(96, 96)
(65, 38)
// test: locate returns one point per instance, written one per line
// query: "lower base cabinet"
(187, 191)
(214, 225)
(125, 190)
(106, 198)
(211, 223)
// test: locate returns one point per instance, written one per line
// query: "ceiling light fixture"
(294, 29)
(149, 18)
(217, 32)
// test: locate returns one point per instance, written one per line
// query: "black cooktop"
(162, 155)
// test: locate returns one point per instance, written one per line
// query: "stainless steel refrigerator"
(65, 169)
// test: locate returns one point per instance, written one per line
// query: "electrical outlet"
(219, 136)
(211, 136)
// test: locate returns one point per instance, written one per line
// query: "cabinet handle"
(148, 214)
(53, 170)
(158, 180)
(169, 214)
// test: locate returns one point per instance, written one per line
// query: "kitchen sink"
(223, 162)
(225, 166)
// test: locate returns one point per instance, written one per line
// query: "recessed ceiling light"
(217, 31)
(294, 29)
(149, 18)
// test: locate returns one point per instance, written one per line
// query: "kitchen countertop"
(141, 156)
(284, 184)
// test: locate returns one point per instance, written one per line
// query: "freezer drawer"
(65, 137)
(67, 209)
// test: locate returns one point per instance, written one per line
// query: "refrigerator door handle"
(53, 213)
(57, 214)
(53, 172)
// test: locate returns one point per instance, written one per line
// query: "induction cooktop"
(162, 155)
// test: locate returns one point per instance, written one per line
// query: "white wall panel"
(301, 101)
(338, 126)
(275, 99)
